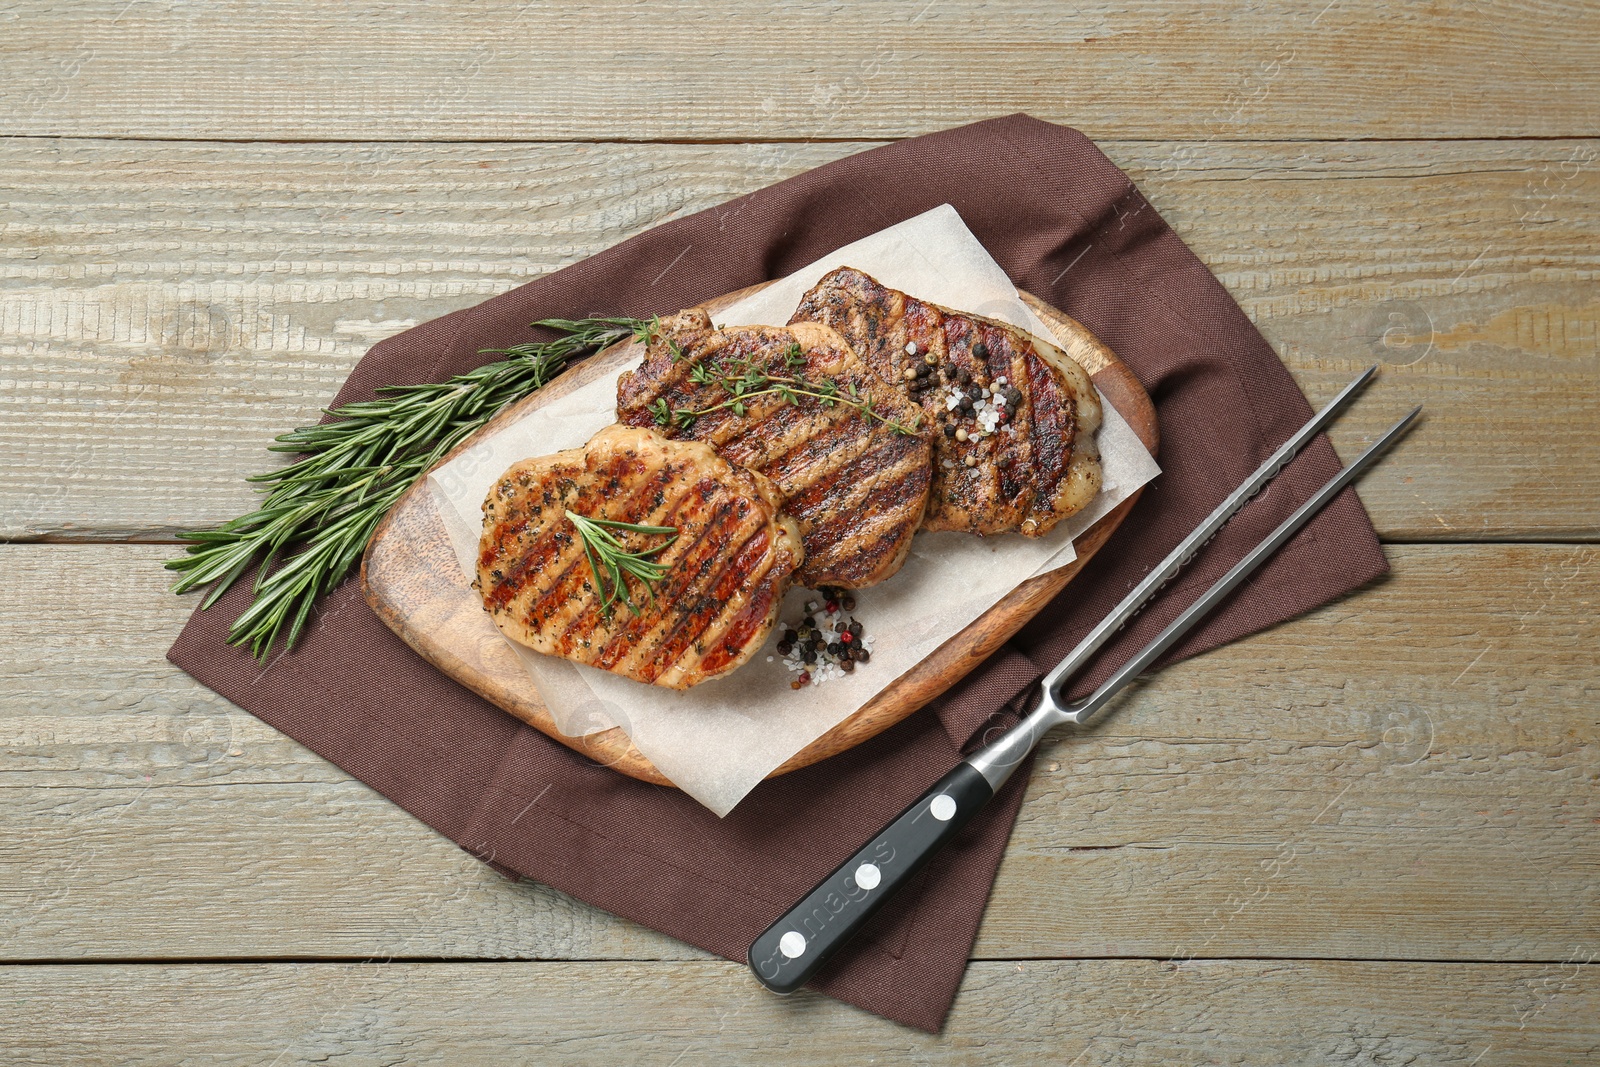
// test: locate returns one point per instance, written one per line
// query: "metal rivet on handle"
(792, 944)
(943, 807)
(868, 876)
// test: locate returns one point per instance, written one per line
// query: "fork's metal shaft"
(1163, 572)
(997, 760)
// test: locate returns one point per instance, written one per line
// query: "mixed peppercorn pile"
(827, 643)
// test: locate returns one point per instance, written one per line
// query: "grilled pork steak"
(724, 574)
(856, 483)
(1024, 464)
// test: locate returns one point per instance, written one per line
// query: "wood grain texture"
(411, 578)
(1087, 1012)
(1405, 774)
(754, 70)
(166, 308)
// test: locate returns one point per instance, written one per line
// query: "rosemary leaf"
(320, 510)
(610, 559)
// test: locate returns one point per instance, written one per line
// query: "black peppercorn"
(847, 666)
(849, 603)
(856, 628)
(809, 655)
(862, 655)
(785, 647)
(965, 403)
(835, 649)
(949, 429)
(808, 622)
(980, 350)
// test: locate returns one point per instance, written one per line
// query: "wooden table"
(1368, 836)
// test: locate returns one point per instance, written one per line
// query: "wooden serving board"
(411, 578)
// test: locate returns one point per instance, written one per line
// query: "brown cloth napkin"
(1067, 225)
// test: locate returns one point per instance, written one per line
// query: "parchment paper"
(719, 739)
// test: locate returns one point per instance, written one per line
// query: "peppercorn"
(789, 635)
(856, 627)
(796, 684)
(848, 666)
(835, 649)
(849, 603)
(809, 621)
(785, 647)
(846, 638)
(808, 655)
(863, 656)
(963, 376)
(980, 350)
(833, 606)
(950, 429)
(930, 359)
(965, 403)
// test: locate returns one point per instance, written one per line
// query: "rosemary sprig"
(743, 381)
(610, 559)
(320, 510)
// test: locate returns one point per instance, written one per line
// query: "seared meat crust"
(726, 571)
(1035, 468)
(856, 485)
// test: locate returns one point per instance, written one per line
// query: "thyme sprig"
(610, 559)
(743, 381)
(320, 510)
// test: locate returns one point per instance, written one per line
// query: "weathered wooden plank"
(147, 355)
(756, 70)
(1405, 774)
(1056, 1012)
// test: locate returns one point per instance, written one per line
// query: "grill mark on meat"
(650, 647)
(549, 545)
(708, 607)
(801, 446)
(724, 574)
(1052, 413)
(875, 490)
(641, 639)
(742, 627)
(589, 619)
(573, 575)
(1033, 470)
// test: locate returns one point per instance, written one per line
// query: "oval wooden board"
(411, 578)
